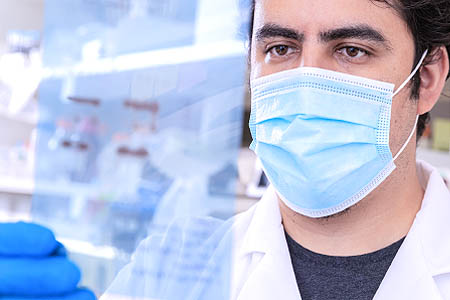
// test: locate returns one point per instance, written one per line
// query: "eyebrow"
(361, 32)
(274, 30)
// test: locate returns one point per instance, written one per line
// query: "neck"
(377, 221)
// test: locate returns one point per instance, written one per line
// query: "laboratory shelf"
(150, 59)
(27, 118)
(28, 186)
(15, 185)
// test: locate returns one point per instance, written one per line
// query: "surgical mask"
(323, 137)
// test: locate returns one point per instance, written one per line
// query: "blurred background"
(112, 109)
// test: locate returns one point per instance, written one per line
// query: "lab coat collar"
(265, 246)
(432, 222)
(265, 226)
(425, 251)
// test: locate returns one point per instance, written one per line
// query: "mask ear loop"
(419, 64)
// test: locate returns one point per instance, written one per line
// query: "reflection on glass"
(140, 125)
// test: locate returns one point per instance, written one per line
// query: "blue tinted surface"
(121, 26)
(140, 124)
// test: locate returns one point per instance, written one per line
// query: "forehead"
(311, 17)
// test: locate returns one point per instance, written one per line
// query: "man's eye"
(280, 50)
(353, 52)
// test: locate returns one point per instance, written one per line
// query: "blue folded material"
(34, 266)
(79, 294)
(38, 277)
(26, 239)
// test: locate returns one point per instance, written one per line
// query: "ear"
(433, 78)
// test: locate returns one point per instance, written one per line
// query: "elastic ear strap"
(419, 64)
(408, 140)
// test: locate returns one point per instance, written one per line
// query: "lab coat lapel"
(425, 253)
(271, 274)
(433, 221)
(408, 276)
(269, 281)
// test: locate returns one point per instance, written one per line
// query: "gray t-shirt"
(322, 277)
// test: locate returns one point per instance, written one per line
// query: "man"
(336, 90)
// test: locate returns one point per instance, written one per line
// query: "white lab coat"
(254, 260)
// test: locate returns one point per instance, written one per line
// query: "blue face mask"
(323, 136)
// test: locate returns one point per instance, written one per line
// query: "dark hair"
(429, 23)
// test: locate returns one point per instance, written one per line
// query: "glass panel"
(140, 121)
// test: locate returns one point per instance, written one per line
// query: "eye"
(279, 50)
(351, 52)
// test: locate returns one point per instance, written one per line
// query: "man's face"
(357, 37)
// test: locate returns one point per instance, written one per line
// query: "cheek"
(393, 134)
(403, 115)
(259, 68)
(397, 115)
(256, 71)
(256, 67)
